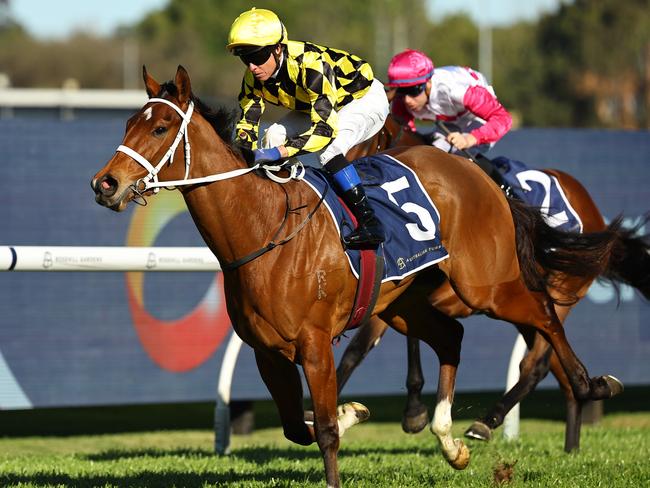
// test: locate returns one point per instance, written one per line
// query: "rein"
(151, 182)
(271, 245)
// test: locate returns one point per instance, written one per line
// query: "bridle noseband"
(151, 179)
(151, 182)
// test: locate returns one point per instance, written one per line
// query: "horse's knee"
(414, 382)
(327, 436)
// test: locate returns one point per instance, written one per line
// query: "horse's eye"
(159, 131)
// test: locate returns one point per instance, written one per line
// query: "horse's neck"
(235, 216)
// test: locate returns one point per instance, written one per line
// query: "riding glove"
(267, 155)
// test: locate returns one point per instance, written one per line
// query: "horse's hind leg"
(532, 369)
(411, 315)
(573, 407)
(514, 303)
(282, 379)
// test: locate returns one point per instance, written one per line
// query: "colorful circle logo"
(174, 345)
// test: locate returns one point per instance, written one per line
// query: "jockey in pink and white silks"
(458, 96)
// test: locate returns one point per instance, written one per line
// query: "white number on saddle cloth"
(543, 179)
(427, 222)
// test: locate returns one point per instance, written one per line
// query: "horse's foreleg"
(415, 416)
(320, 373)
(282, 379)
(365, 339)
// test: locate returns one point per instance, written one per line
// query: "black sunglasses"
(412, 91)
(257, 58)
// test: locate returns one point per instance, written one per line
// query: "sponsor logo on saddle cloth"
(542, 191)
(409, 217)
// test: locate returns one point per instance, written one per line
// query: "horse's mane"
(221, 119)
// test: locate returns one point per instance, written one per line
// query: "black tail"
(544, 250)
(630, 259)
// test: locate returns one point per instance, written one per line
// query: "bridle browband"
(151, 182)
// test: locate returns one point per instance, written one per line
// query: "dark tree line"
(585, 65)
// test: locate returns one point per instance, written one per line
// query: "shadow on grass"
(258, 455)
(152, 479)
(266, 458)
(544, 404)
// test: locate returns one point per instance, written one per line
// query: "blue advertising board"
(122, 338)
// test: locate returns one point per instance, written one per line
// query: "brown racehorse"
(534, 367)
(290, 303)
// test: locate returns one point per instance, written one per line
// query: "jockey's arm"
(318, 82)
(481, 102)
(252, 107)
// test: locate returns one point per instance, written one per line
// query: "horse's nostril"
(107, 186)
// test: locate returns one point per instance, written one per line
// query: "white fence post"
(511, 421)
(222, 408)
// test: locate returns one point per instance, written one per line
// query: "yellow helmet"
(256, 27)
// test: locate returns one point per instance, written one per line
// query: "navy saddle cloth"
(542, 191)
(409, 217)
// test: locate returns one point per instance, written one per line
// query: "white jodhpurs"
(358, 121)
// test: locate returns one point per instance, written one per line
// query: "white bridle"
(150, 181)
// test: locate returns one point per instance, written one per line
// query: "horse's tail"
(544, 251)
(629, 262)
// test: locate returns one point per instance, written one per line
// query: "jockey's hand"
(263, 156)
(461, 141)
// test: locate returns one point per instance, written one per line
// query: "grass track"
(377, 454)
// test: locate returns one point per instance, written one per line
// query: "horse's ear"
(183, 84)
(151, 85)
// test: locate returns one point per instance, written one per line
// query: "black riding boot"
(369, 232)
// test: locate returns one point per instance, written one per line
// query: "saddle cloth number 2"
(426, 221)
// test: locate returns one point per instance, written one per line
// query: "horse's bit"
(150, 181)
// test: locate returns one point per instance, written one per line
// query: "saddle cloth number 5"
(426, 221)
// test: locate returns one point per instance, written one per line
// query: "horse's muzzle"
(105, 189)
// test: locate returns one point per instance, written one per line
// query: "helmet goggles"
(411, 91)
(256, 56)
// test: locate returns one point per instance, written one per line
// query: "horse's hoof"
(462, 458)
(479, 431)
(349, 414)
(414, 423)
(615, 385)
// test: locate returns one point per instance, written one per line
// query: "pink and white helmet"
(409, 68)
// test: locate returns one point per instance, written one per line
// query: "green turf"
(614, 454)
(166, 446)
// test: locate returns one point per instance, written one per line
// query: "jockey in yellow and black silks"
(337, 90)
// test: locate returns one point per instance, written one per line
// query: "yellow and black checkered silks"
(313, 79)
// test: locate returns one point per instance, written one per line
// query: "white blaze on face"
(147, 113)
